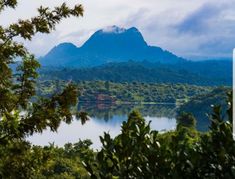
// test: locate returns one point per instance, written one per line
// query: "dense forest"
(124, 93)
(104, 99)
(195, 73)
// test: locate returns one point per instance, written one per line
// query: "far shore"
(129, 103)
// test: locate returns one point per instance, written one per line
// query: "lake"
(106, 118)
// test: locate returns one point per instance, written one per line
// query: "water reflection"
(106, 118)
(107, 111)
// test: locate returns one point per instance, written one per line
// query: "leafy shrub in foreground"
(139, 152)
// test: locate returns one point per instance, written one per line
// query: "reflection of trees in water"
(200, 106)
(168, 111)
(107, 111)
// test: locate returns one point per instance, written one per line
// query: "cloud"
(77, 37)
(199, 21)
(220, 46)
(206, 31)
(186, 28)
(113, 29)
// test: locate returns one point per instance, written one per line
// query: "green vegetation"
(138, 152)
(18, 159)
(186, 120)
(121, 98)
(22, 160)
(194, 73)
(200, 105)
(120, 93)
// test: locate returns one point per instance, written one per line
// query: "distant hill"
(200, 106)
(206, 73)
(112, 44)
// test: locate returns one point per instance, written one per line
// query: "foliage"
(194, 73)
(49, 162)
(186, 120)
(122, 93)
(139, 152)
(200, 105)
(17, 88)
(66, 162)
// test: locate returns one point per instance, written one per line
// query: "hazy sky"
(188, 28)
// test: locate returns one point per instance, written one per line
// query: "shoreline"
(129, 103)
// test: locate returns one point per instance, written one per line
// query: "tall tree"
(17, 88)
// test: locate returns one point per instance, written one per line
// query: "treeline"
(196, 73)
(135, 92)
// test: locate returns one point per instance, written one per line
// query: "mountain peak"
(133, 29)
(118, 30)
(113, 29)
(110, 44)
(66, 45)
(115, 38)
(62, 48)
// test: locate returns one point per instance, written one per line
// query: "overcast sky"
(188, 28)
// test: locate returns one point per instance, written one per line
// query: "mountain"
(122, 55)
(112, 44)
(60, 55)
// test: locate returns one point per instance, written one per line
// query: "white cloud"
(156, 19)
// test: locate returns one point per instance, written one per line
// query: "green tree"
(107, 85)
(17, 88)
(186, 120)
(139, 152)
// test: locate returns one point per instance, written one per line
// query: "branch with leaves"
(17, 88)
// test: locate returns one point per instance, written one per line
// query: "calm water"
(106, 119)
